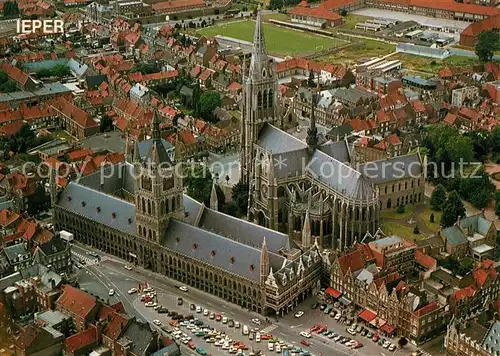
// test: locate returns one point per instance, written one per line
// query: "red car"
(266, 337)
(357, 345)
(375, 338)
(218, 317)
(315, 327)
(321, 329)
(192, 346)
(304, 342)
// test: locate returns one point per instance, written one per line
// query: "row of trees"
(10, 9)
(59, 70)
(24, 140)
(450, 155)
(488, 42)
(450, 204)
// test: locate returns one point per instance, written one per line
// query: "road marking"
(269, 329)
(295, 326)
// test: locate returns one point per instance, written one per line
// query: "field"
(279, 41)
(351, 20)
(406, 232)
(431, 66)
(361, 48)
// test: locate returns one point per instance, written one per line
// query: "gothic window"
(406, 185)
(143, 205)
(168, 183)
(389, 203)
(399, 187)
(393, 188)
(178, 204)
(385, 189)
(154, 208)
(259, 100)
(146, 183)
(270, 98)
(412, 183)
(149, 206)
(264, 73)
(162, 208)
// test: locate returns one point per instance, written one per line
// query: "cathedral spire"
(259, 54)
(306, 231)
(264, 261)
(156, 126)
(312, 132)
(214, 203)
(137, 156)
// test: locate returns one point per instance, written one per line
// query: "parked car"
(183, 288)
(305, 342)
(392, 347)
(305, 334)
(299, 314)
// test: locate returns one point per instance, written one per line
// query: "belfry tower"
(260, 99)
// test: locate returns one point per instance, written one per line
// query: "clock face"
(263, 191)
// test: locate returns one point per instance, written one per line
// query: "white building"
(458, 96)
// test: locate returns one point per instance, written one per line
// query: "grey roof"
(477, 222)
(45, 90)
(93, 81)
(191, 209)
(339, 176)
(341, 131)
(492, 339)
(54, 245)
(393, 168)
(352, 95)
(111, 179)
(7, 204)
(163, 155)
(275, 140)
(52, 317)
(419, 80)
(138, 336)
(243, 231)
(387, 241)
(337, 150)
(454, 236)
(365, 276)
(12, 252)
(186, 91)
(293, 163)
(78, 68)
(46, 64)
(170, 350)
(84, 201)
(198, 244)
(9, 280)
(145, 147)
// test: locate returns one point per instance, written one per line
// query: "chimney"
(52, 284)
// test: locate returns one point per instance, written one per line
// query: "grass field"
(426, 217)
(431, 65)
(393, 214)
(406, 232)
(361, 48)
(278, 16)
(351, 20)
(279, 41)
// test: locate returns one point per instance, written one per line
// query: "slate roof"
(162, 152)
(242, 231)
(392, 168)
(216, 250)
(492, 339)
(275, 140)
(337, 150)
(140, 337)
(145, 147)
(454, 236)
(116, 178)
(477, 222)
(85, 201)
(12, 252)
(55, 245)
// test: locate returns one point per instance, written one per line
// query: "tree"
(310, 80)
(487, 43)
(416, 230)
(431, 218)
(401, 209)
(209, 100)
(240, 198)
(402, 342)
(343, 12)
(199, 183)
(452, 209)
(275, 4)
(10, 9)
(438, 197)
(39, 202)
(106, 124)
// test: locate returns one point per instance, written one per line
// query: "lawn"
(279, 41)
(426, 217)
(393, 214)
(406, 232)
(430, 65)
(276, 16)
(361, 48)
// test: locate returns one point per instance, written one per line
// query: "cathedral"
(308, 190)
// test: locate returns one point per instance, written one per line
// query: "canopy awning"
(367, 315)
(333, 292)
(377, 322)
(387, 328)
(344, 301)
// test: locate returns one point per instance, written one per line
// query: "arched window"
(259, 100)
(149, 206)
(265, 97)
(270, 98)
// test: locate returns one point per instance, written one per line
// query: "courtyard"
(279, 41)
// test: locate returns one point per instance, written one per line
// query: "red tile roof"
(116, 322)
(80, 154)
(187, 137)
(450, 119)
(424, 260)
(427, 309)
(315, 12)
(464, 293)
(176, 4)
(81, 339)
(14, 73)
(76, 301)
(484, 25)
(7, 217)
(76, 114)
(351, 261)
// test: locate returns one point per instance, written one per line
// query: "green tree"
(106, 124)
(199, 183)
(487, 43)
(240, 198)
(438, 197)
(44, 73)
(39, 202)
(310, 80)
(60, 70)
(494, 139)
(209, 100)
(275, 4)
(452, 209)
(10, 9)
(343, 12)
(477, 189)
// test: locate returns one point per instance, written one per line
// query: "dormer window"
(195, 246)
(212, 253)
(98, 209)
(113, 215)
(84, 203)
(252, 267)
(231, 260)
(130, 220)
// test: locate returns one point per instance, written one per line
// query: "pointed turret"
(312, 131)
(259, 54)
(306, 231)
(137, 156)
(214, 203)
(264, 261)
(53, 187)
(156, 126)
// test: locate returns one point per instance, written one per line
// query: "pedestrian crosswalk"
(89, 261)
(268, 329)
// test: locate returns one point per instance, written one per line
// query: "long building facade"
(136, 210)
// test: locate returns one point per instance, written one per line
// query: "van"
(245, 330)
(257, 337)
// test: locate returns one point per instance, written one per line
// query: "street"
(99, 277)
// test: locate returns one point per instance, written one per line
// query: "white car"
(278, 348)
(338, 316)
(257, 337)
(157, 322)
(132, 291)
(237, 324)
(224, 320)
(270, 346)
(256, 321)
(305, 334)
(392, 347)
(386, 344)
(183, 288)
(128, 268)
(198, 309)
(299, 314)
(149, 304)
(205, 312)
(111, 292)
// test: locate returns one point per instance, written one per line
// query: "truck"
(67, 236)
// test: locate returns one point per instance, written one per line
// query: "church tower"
(159, 195)
(312, 131)
(259, 101)
(264, 262)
